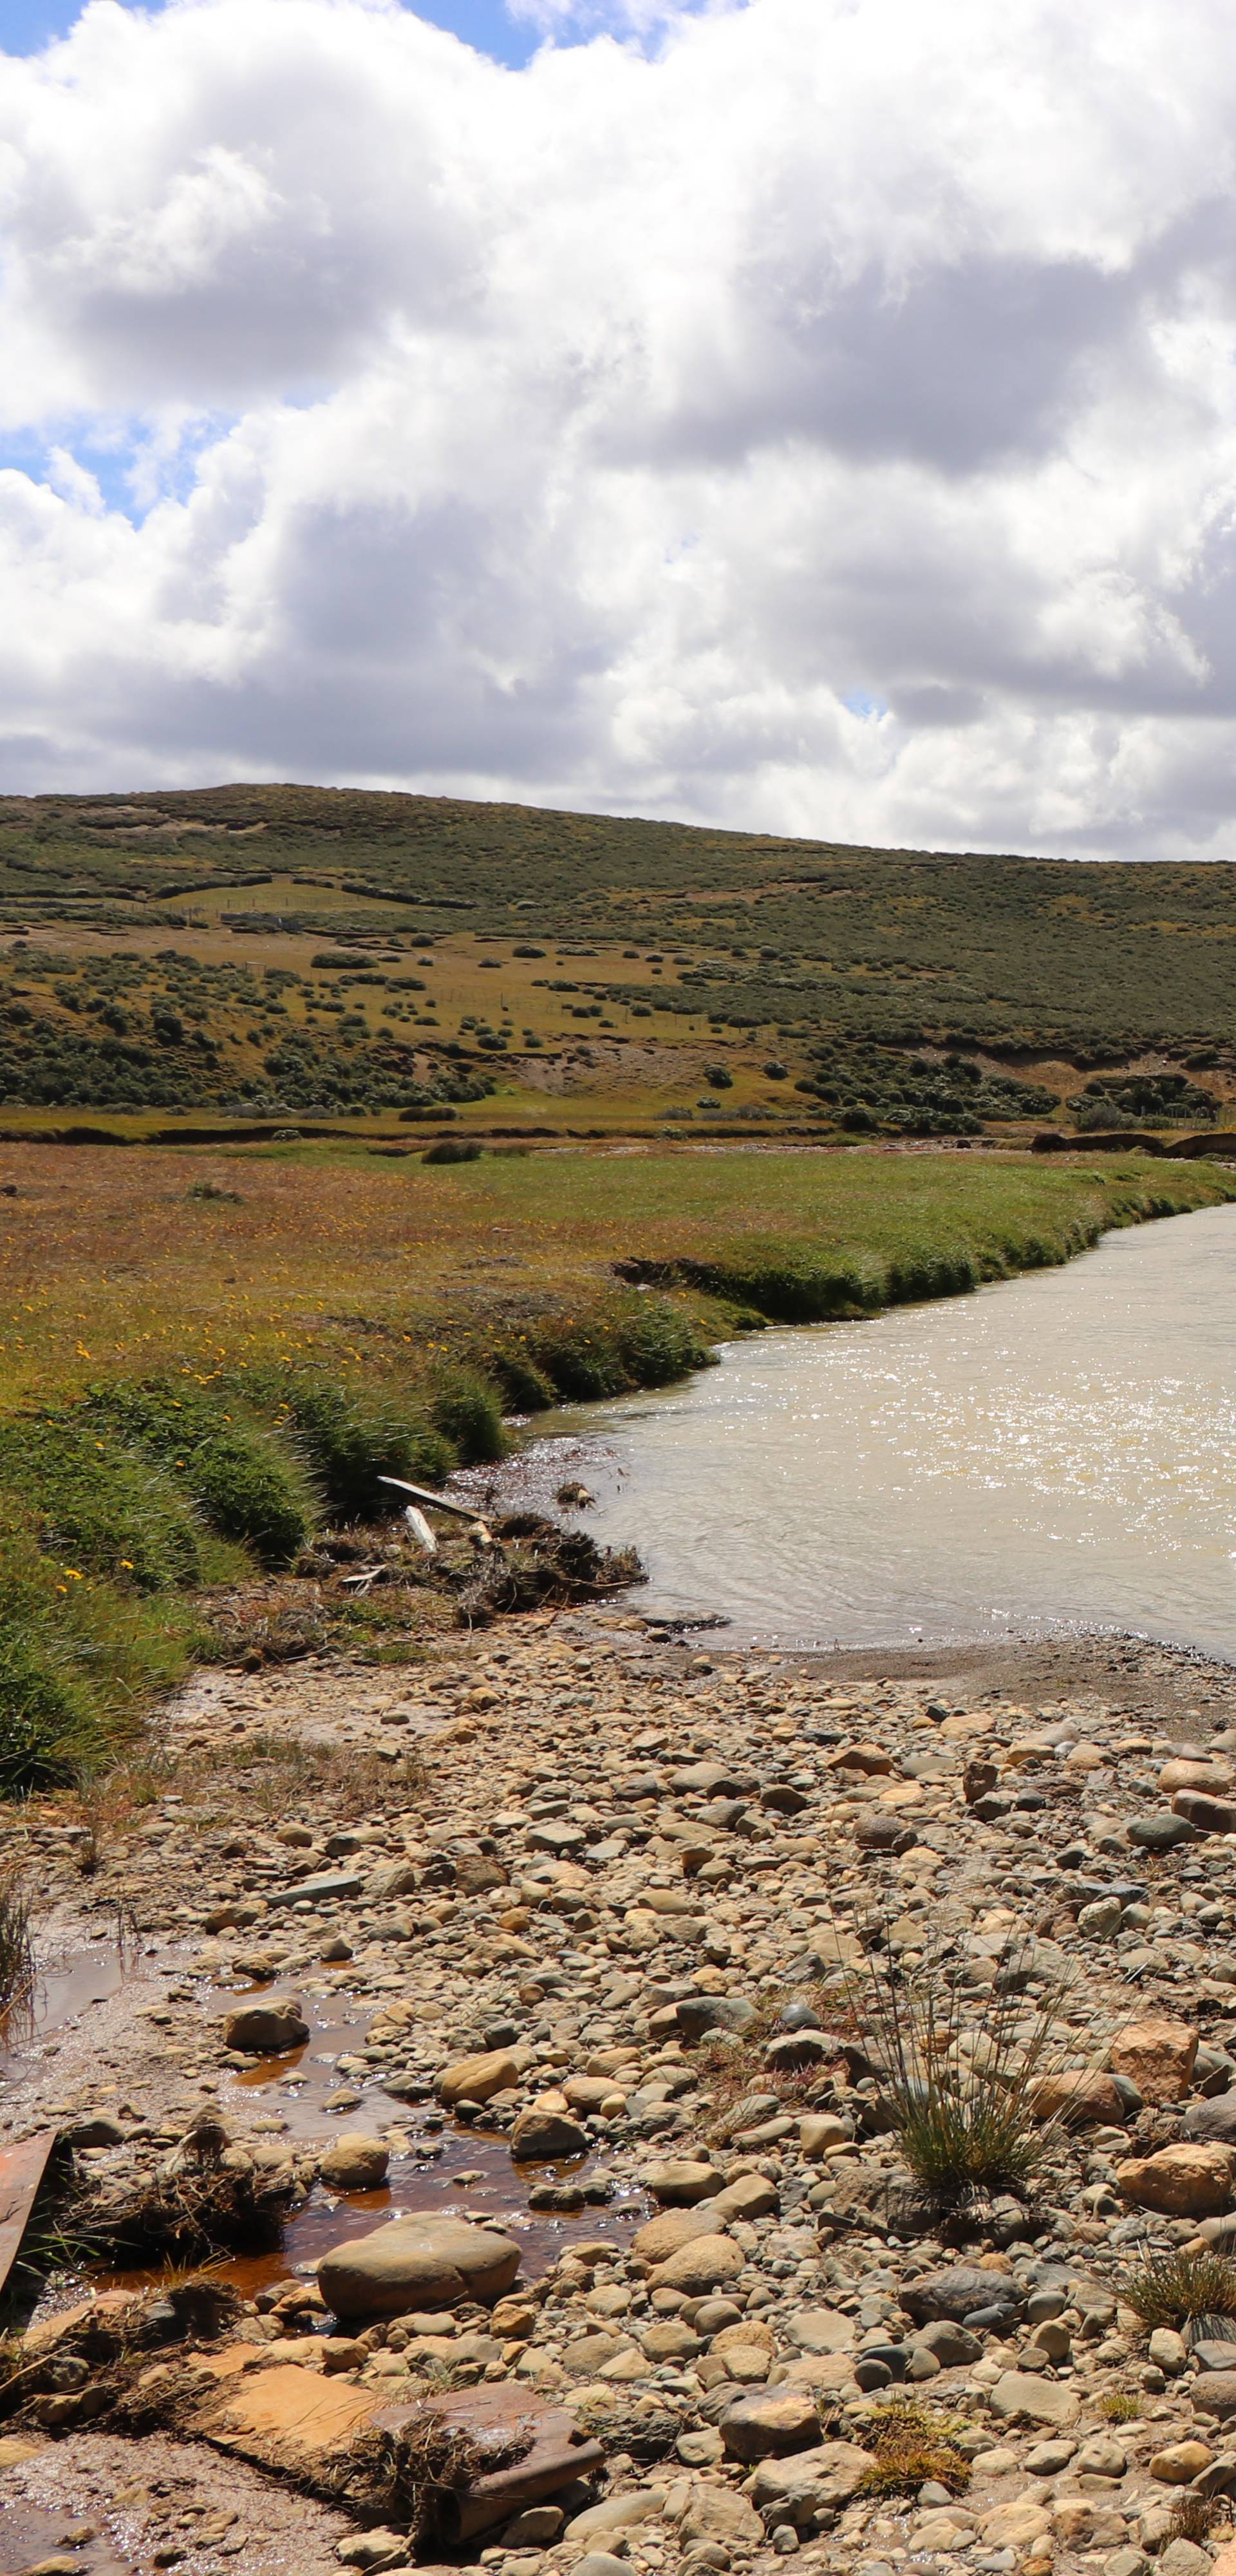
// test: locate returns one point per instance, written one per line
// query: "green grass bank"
(203, 1365)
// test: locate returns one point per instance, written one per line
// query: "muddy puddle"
(468, 2175)
(439, 2167)
(67, 1987)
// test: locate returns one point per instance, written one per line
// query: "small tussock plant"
(466, 1408)
(962, 2103)
(1120, 2406)
(910, 2445)
(1194, 2516)
(1175, 2288)
(351, 1438)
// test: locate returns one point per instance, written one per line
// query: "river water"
(1057, 1453)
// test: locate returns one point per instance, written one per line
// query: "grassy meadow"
(206, 1356)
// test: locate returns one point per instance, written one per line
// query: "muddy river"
(1056, 1453)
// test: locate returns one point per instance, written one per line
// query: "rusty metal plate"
(21, 2171)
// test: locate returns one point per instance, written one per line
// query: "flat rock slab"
(769, 2423)
(822, 2330)
(958, 2292)
(1189, 2181)
(1021, 2397)
(327, 1890)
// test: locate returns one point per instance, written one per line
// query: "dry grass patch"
(912, 2445)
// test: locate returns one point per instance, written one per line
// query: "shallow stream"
(1055, 1453)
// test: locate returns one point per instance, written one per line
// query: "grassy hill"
(310, 950)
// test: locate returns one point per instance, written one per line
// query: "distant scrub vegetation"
(888, 947)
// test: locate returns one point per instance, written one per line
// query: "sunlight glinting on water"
(1054, 1453)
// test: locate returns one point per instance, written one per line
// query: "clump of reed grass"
(16, 1941)
(910, 2445)
(1120, 2406)
(961, 2104)
(1173, 2289)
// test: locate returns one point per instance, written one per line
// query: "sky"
(813, 416)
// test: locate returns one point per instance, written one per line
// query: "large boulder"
(1022, 2397)
(809, 2482)
(1213, 2119)
(1157, 2054)
(546, 2131)
(416, 2263)
(682, 2181)
(821, 2330)
(267, 2029)
(476, 2079)
(1160, 1832)
(959, 2292)
(355, 2162)
(752, 2196)
(1189, 2181)
(1207, 1814)
(704, 2265)
(661, 2236)
(769, 2423)
(1080, 2097)
(719, 2516)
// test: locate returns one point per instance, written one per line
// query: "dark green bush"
(452, 1149)
(352, 1440)
(467, 1409)
(99, 1505)
(247, 1492)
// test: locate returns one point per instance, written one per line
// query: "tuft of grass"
(100, 1504)
(352, 1437)
(16, 1940)
(1194, 2516)
(1172, 2289)
(467, 1409)
(284, 1772)
(1120, 2406)
(911, 2445)
(243, 1479)
(961, 2102)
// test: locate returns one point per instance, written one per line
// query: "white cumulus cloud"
(810, 414)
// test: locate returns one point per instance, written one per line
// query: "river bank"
(266, 1334)
(629, 1884)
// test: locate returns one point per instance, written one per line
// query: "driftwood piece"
(21, 2171)
(456, 2463)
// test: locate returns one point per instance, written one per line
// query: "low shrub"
(45, 1727)
(351, 1439)
(452, 1149)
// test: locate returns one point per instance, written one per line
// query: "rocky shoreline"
(557, 1942)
